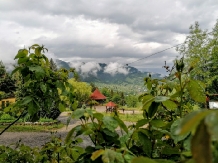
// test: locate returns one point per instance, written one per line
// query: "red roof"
(96, 95)
(110, 104)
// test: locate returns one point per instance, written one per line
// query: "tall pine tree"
(200, 51)
(53, 65)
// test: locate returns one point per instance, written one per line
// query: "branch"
(23, 114)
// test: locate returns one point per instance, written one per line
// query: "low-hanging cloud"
(92, 68)
(86, 69)
(115, 68)
(110, 29)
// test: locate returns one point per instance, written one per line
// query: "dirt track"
(40, 138)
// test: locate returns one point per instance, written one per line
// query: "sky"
(115, 32)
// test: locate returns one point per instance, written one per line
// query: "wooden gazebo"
(98, 96)
(110, 106)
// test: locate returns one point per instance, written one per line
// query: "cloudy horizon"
(106, 31)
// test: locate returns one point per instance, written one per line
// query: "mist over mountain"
(112, 73)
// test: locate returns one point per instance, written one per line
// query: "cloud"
(102, 31)
(86, 69)
(92, 68)
(115, 68)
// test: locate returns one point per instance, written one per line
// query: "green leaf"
(161, 98)
(69, 135)
(43, 87)
(121, 124)
(60, 85)
(109, 156)
(153, 109)
(128, 158)
(22, 60)
(87, 131)
(174, 129)
(170, 105)
(196, 91)
(21, 53)
(149, 84)
(15, 70)
(142, 160)
(191, 121)
(32, 108)
(89, 112)
(187, 153)
(26, 100)
(144, 131)
(187, 143)
(201, 145)
(168, 150)
(78, 113)
(146, 143)
(141, 122)
(147, 100)
(112, 156)
(175, 95)
(123, 139)
(37, 45)
(96, 154)
(37, 69)
(98, 116)
(61, 107)
(74, 105)
(110, 123)
(158, 123)
(109, 132)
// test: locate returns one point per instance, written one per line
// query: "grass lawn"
(33, 128)
(138, 107)
(127, 117)
(131, 117)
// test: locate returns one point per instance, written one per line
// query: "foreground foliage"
(172, 129)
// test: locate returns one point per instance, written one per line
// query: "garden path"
(34, 139)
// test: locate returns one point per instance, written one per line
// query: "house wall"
(6, 102)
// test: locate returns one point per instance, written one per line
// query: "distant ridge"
(98, 74)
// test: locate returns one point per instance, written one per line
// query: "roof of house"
(111, 104)
(97, 95)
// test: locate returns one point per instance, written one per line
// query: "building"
(98, 96)
(5, 102)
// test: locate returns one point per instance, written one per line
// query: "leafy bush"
(6, 117)
(168, 131)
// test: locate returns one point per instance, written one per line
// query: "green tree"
(42, 87)
(200, 52)
(53, 65)
(116, 98)
(212, 65)
(94, 87)
(82, 90)
(131, 101)
(7, 83)
(155, 138)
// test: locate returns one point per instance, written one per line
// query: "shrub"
(6, 117)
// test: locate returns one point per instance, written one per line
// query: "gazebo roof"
(111, 104)
(96, 95)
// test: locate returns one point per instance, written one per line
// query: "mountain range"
(107, 73)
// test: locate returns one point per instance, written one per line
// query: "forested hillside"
(130, 82)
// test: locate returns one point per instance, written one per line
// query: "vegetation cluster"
(175, 126)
